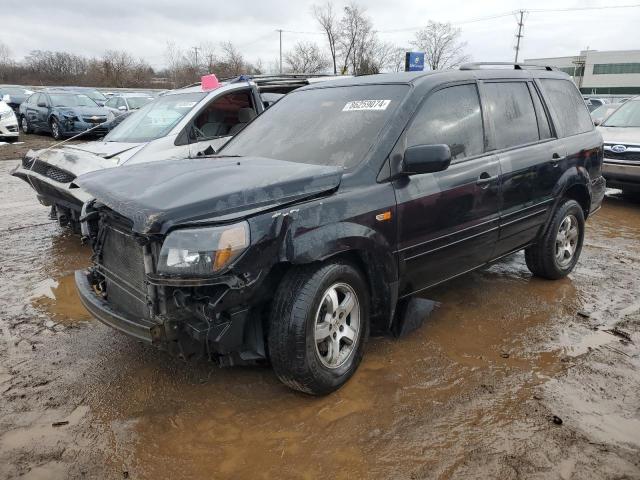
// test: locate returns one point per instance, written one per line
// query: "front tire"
(56, 131)
(556, 253)
(24, 125)
(319, 326)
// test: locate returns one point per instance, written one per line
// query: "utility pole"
(195, 49)
(280, 31)
(519, 35)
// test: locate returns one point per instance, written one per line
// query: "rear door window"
(570, 112)
(510, 108)
(450, 116)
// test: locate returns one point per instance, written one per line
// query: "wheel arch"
(366, 249)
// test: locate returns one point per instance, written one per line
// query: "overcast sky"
(143, 27)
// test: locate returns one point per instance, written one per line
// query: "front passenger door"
(448, 221)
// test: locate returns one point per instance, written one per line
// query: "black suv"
(327, 214)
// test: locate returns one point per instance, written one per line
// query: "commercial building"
(613, 72)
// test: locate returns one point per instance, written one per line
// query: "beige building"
(613, 72)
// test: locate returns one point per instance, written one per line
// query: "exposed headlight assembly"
(203, 251)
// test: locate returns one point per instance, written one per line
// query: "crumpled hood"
(622, 135)
(108, 149)
(159, 195)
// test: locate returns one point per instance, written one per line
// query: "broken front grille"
(122, 265)
(49, 171)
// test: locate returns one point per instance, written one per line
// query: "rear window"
(324, 126)
(568, 107)
(510, 106)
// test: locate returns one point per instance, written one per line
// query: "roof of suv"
(409, 78)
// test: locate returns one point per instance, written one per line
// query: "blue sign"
(414, 62)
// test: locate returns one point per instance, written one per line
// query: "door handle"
(485, 179)
(555, 159)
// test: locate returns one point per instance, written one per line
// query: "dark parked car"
(14, 95)
(326, 215)
(62, 113)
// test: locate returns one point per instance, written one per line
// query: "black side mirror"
(426, 159)
(42, 104)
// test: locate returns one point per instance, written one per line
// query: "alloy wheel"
(337, 325)
(567, 240)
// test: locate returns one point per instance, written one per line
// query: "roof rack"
(516, 66)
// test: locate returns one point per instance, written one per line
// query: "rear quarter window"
(570, 112)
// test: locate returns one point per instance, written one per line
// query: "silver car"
(621, 135)
(126, 102)
(182, 123)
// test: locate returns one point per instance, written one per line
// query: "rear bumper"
(620, 174)
(141, 329)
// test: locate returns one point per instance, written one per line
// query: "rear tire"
(319, 326)
(556, 253)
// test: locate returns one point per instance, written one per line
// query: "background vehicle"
(61, 113)
(8, 124)
(329, 212)
(621, 134)
(602, 112)
(182, 123)
(593, 103)
(126, 102)
(14, 95)
(90, 92)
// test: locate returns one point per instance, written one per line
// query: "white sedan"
(8, 123)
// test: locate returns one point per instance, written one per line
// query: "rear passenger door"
(529, 155)
(447, 221)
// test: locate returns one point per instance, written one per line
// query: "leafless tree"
(305, 57)
(6, 63)
(326, 17)
(116, 67)
(231, 62)
(355, 30)
(398, 55)
(442, 46)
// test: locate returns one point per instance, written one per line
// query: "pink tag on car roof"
(209, 82)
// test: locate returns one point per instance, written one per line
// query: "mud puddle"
(470, 394)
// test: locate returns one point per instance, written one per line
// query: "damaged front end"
(160, 289)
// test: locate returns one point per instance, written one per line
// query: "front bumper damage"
(194, 318)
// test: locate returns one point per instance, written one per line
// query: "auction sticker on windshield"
(358, 105)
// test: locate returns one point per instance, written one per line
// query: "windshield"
(604, 111)
(95, 95)
(155, 119)
(71, 100)
(325, 126)
(628, 115)
(138, 102)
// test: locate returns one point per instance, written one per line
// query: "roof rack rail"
(516, 66)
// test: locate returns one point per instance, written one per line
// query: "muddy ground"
(471, 394)
(11, 151)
